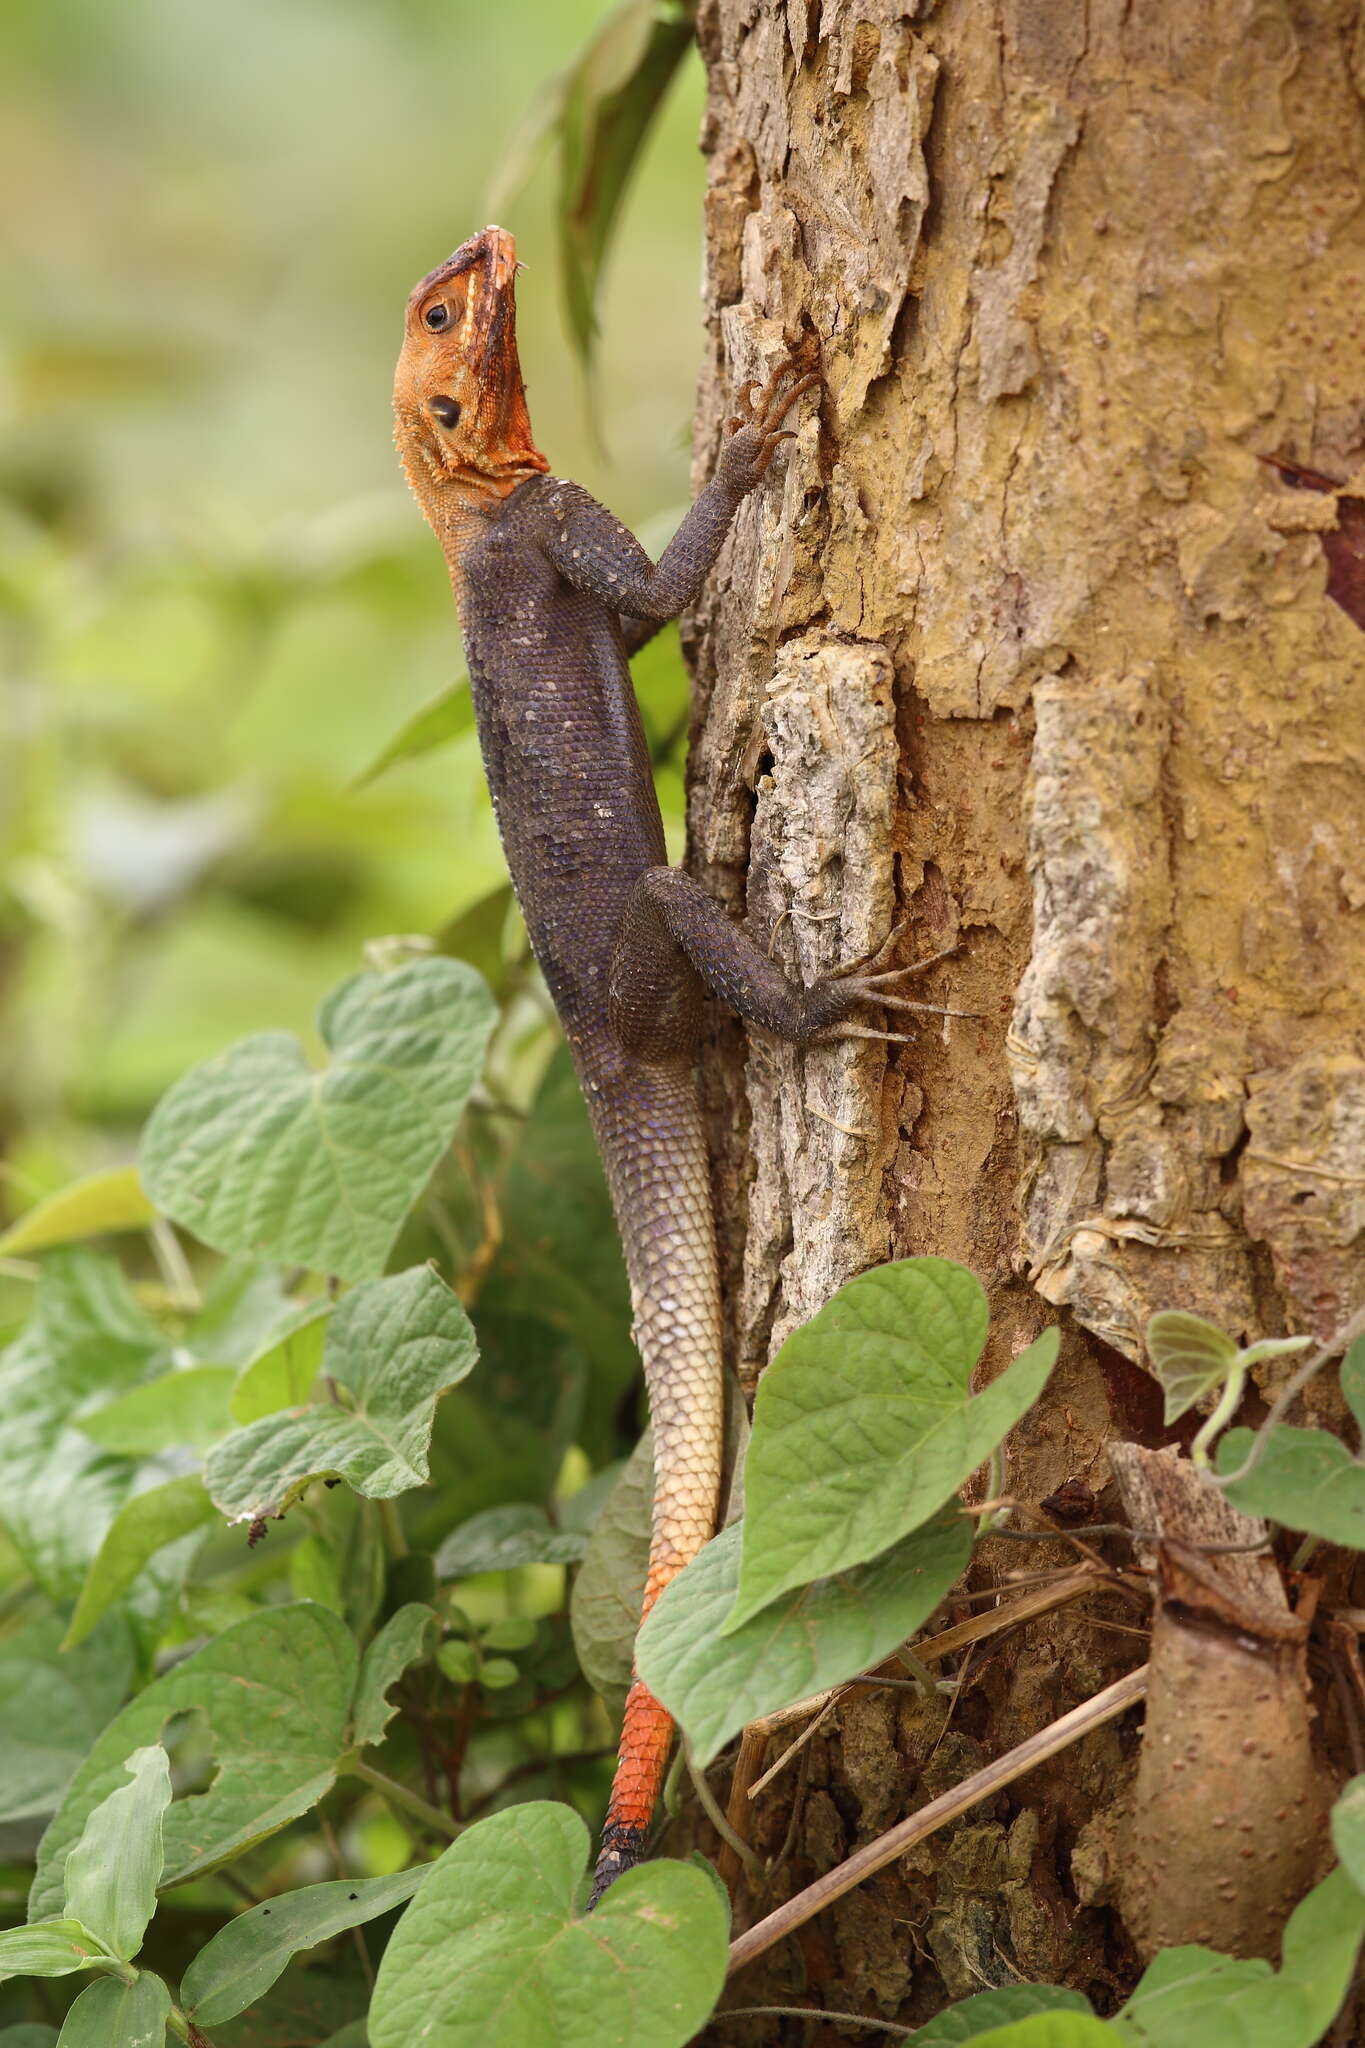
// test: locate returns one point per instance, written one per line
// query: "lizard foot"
(753, 439)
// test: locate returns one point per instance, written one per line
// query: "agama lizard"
(554, 595)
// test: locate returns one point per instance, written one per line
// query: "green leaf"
(48, 1948)
(1190, 1357)
(1190, 1997)
(865, 1424)
(406, 1638)
(1348, 1830)
(459, 1662)
(1050, 2030)
(142, 1526)
(276, 1690)
(112, 2014)
(514, 1632)
(58, 1491)
(1305, 1478)
(497, 1673)
(283, 1375)
(813, 1637)
(52, 1706)
(974, 2016)
(233, 1969)
(108, 1201)
(355, 2036)
(185, 1407)
(445, 719)
(394, 1346)
(502, 1539)
(112, 1874)
(256, 1150)
(609, 1589)
(493, 1950)
(612, 95)
(1353, 1380)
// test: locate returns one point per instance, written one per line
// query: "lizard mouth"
(493, 249)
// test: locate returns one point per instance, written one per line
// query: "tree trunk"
(1032, 644)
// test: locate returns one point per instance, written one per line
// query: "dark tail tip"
(622, 1848)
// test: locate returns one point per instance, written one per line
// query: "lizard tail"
(650, 1135)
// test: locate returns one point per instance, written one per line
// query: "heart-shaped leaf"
(256, 1150)
(1305, 1478)
(501, 1539)
(987, 2009)
(244, 1959)
(1190, 1357)
(112, 2014)
(810, 1638)
(1050, 2030)
(393, 1347)
(112, 1873)
(1192, 1997)
(276, 1690)
(865, 1424)
(492, 1949)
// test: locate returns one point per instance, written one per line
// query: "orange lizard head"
(462, 427)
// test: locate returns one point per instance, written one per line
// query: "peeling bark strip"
(1127, 1156)
(1228, 1823)
(823, 886)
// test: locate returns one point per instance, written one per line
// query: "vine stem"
(400, 1795)
(1092, 1713)
(395, 1541)
(185, 2030)
(1352, 1328)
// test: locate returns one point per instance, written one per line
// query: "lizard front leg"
(594, 552)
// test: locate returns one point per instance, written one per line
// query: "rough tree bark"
(1034, 647)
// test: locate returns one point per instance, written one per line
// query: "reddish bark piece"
(1344, 546)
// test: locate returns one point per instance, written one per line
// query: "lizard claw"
(753, 440)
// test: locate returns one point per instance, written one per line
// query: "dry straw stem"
(1092, 1713)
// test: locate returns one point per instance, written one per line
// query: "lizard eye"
(437, 317)
(446, 410)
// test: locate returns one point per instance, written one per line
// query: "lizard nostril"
(446, 409)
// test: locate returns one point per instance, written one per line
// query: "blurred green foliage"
(218, 607)
(217, 602)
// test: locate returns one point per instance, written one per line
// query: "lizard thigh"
(672, 928)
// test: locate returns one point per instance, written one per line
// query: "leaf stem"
(712, 1808)
(400, 1795)
(1352, 1328)
(184, 2028)
(390, 1521)
(815, 2012)
(1221, 1413)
